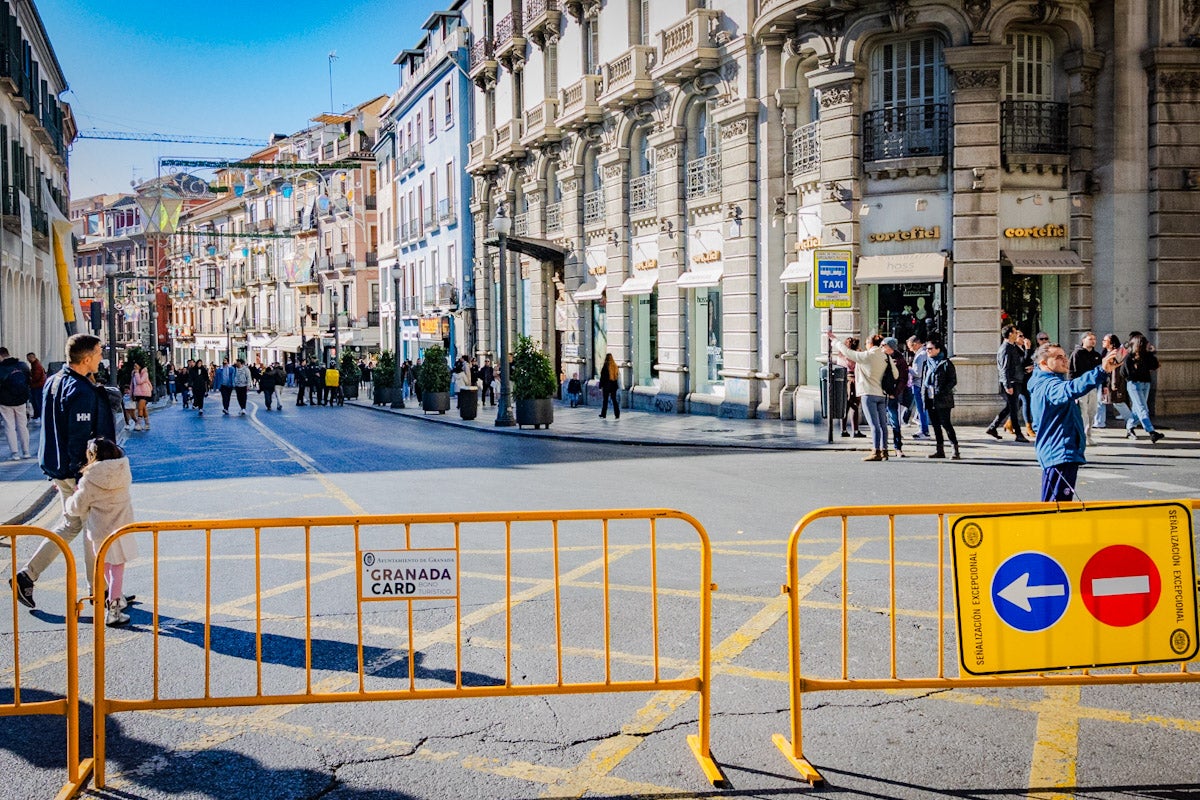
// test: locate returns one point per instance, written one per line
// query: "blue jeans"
(1139, 397)
(919, 406)
(875, 407)
(893, 418)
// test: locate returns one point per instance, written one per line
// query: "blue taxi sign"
(832, 278)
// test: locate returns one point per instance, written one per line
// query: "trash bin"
(839, 395)
(468, 402)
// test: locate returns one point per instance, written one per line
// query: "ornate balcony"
(593, 207)
(510, 41)
(643, 194)
(627, 78)
(806, 149)
(578, 104)
(553, 217)
(479, 156)
(507, 141)
(482, 65)
(578, 9)
(540, 127)
(541, 20)
(916, 131)
(1034, 127)
(704, 176)
(689, 47)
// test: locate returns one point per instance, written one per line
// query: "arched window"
(642, 182)
(593, 197)
(1031, 120)
(703, 149)
(909, 113)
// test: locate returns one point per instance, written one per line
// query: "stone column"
(672, 313)
(1081, 67)
(570, 178)
(485, 272)
(738, 126)
(975, 290)
(780, 323)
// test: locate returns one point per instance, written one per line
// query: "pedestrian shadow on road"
(328, 655)
(139, 768)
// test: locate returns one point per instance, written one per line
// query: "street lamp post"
(333, 321)
(110, 275)
(503, 225)
(397, 388)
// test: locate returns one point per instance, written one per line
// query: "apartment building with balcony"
(426, 222)
(286, 253)
(36, 130)
(983, 163)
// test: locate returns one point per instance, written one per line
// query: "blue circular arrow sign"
(1030, 591)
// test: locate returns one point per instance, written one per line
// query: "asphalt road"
(1094, 741)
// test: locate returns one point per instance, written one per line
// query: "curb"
(597, 439)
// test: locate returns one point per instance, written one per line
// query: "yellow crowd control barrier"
(257, 612)
(68, 705)
(899, 563)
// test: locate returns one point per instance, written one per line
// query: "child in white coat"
(102, 497)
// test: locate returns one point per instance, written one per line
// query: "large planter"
(350, 390)
(435, 401)
(384, 395)
(535, 412)
(468, 403)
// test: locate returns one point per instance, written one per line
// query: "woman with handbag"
(142, 389)
(610, 384)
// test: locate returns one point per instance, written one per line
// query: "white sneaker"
(16, 457)
(115, 617)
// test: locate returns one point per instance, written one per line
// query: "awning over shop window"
(641, 282)
(904, 268)
(1042, 262)
(592, 291)
(288, 344)
(797, 272)
(702, 276)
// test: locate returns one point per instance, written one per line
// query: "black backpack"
(888, 380)
(14, 389)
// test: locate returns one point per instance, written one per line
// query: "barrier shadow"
(328, 655)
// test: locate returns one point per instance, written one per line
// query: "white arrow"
(1019, 592)
(1111, 587)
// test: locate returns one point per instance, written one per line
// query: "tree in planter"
(382, 376)
(531, 372)
(348, 375)
(435, 372)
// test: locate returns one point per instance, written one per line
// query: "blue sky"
(215, 68)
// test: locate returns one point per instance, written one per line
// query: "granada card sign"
(407, 574)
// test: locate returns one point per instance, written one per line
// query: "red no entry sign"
(1120, 585)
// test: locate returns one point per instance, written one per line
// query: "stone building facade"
(983, 162)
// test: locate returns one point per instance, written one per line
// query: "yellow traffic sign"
(1068, 589)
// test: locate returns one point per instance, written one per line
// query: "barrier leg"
(793, 750)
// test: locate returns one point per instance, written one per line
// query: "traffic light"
(97, 320)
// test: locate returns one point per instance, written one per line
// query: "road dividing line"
(305, 461)
(1056, 743)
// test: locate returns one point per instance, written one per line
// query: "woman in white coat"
(868, 377)
(102, 498)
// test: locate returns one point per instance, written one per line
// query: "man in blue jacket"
(75, 411)
(1061, 437)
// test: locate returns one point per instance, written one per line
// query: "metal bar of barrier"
(799, 683)
(68, 706)
(357, 689)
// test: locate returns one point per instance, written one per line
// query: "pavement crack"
(891, 701)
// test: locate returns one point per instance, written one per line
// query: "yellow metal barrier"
(456, 553)
(877, 555)
(67, 706)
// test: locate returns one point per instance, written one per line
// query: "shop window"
(599, 334)
(905, 309)
(645, 338)
(708, 355)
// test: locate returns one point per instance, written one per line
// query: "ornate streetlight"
(397, 388)
(503, 226)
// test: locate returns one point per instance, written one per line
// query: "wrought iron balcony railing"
(1033, 126)
(905, 132)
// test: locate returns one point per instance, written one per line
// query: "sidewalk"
(689, 430)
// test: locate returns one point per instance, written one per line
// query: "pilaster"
(672, 338)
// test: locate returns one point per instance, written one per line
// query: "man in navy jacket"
(75, 411)
(1061, 439)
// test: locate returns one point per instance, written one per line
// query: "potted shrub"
(533, 384)
(349, 376)
(435, 381)
(382, 378)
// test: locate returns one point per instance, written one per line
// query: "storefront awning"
(702, 276)
(797, 272)
(904, 268)
(1042, 262)
(592, 291)
(641, 282)
(287, 344)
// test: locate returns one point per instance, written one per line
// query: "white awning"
(1043, 262)
(904, 268)
(287, 344)
(592, 291)
(641, 282)
(797, 272)
(701, 276)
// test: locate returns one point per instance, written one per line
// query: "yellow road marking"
(1056, 742)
